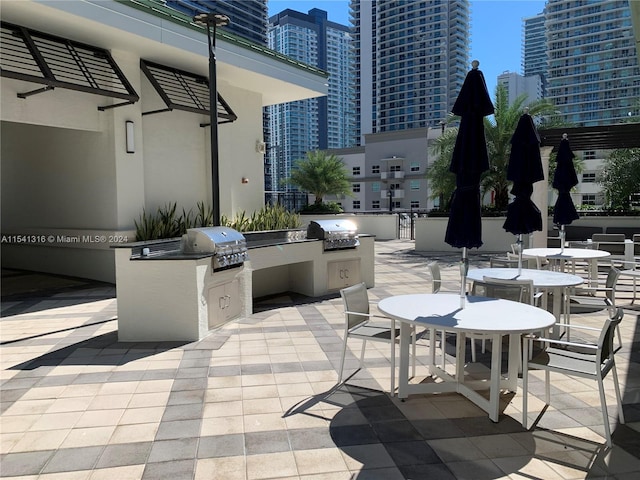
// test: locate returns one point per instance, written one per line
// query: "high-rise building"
(517, 85)
(326, 122)
(534, 49)
(411, 58)
(594, 78)
(248, 18)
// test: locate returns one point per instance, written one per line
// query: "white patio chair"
(360, 323)
(571, 358)
(516, 290)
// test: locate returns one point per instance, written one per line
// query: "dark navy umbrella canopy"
(468, 162)
(564, 180)
(525, 168)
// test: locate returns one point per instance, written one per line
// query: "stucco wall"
(56, 177)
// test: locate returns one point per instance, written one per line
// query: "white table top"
(541, 278)
(481, 314)
(567, 254)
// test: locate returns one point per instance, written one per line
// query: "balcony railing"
(388, 175)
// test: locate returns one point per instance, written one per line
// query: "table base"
(456, 383)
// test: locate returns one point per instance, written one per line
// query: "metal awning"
(602, 137)
(53, 61)
(182, 90)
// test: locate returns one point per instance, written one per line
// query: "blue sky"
(496, 29)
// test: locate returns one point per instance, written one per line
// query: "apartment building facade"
(411, 58)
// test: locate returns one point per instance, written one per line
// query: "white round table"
(560, 256)
(489, 316)
(557, 282)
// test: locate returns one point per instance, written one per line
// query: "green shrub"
(166, 223)
(326, 208)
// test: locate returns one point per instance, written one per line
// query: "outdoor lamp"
(130, 137)
(211, 21)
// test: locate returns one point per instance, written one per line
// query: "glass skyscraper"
(593, 74)
(534, 49)
(296, 128)
(411, 58)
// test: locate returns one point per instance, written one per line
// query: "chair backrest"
(609, 242)
(356, 300)
(516, 290)
(636, 244)
(534, 263)
(610, 284)
(503, 262)
(605, 342)
(436, 279)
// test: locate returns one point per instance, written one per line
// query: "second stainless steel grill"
(228, 245)
(336, 234)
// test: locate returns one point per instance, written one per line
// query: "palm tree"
(498, 132)
(320, 174)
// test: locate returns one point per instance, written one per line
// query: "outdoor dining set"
(530, 307)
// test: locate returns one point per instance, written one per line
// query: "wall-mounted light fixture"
(130, 137)
(245, 180)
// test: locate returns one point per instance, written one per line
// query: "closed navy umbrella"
(469, 160)
(525, 168)
(564, 179)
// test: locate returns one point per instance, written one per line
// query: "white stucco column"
(540, 197)
(129, 167)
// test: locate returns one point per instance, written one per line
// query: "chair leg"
(364, 346)
(344, 353)
(618, 396)
(443, 347)
(525, 384)
(547, 387)
(393, 357)
(413, 351)
(605, 413)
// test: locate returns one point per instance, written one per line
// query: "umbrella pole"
(561, 239)
(519, 243)
(464, 268)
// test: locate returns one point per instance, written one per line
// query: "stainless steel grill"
(228, 245)
(336, 234)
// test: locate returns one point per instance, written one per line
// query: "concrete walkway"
(257, 399)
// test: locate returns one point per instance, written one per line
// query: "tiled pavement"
(257, 399)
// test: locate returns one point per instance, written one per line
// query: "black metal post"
(214, 20)
(390, 195)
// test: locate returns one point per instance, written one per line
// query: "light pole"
(211, 21)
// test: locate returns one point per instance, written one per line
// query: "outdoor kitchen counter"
(177, 296)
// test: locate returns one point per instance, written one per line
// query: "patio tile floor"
(257, 398)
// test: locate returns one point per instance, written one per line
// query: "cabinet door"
(343, 273)
(217, 305)
(234, 302)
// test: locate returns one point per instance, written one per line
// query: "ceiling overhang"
(168, 40)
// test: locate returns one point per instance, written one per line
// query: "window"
(356, 188)
(414, 185)
(356, 204)
(589, 177)
(375, 187)
(375, 168)
(589, 155)
(397, 204)
(356, 170)
(375, 204)
(589, 199)
(415, 203)
(415, 166)
(395, 168)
